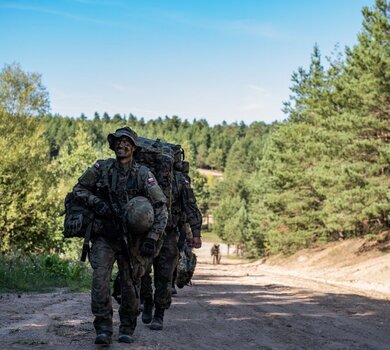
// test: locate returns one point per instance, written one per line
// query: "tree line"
(320, 175)
(324, 173)
(45, 154)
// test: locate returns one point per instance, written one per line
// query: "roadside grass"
(210, 236)
(42, 273)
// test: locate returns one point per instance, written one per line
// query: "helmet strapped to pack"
(185, 167)
(178, 152)
(122, 132)
(139, 215)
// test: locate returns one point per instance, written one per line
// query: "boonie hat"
(127, 132)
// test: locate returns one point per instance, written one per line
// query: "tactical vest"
(107, 185)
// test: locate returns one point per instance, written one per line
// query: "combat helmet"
(185, 167)
(139, 215)
(178, 153)
(127, 132)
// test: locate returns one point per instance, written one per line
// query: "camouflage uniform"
(216, 253)
(183, 209)
(109, 181)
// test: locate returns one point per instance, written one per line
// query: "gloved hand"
(196, 242)
(73, 226)
(102, 209)
(148, 247)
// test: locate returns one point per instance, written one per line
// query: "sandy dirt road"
(230, 306)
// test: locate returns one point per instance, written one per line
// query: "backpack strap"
(114, 180)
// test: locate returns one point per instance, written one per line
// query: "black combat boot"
(158, 320)
(147, 312)
(126, 331)
(103, 338)
(125, 338)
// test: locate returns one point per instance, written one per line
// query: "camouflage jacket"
(110, 182)
(215, 250)
(184, 208)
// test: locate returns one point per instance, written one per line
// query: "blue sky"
(220, 60)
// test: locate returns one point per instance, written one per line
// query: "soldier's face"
(124, 148)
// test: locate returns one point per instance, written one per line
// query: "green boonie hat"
(127, 132)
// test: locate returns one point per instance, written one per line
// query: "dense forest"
(321, 175)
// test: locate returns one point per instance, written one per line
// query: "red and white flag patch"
(151, 180)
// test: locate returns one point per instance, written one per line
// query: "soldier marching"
(129, 226)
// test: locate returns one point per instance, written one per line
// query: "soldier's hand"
(102, 209)
(196, 242)
(74, 224)
(148, 247)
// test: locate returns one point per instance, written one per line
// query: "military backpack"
(159, 157)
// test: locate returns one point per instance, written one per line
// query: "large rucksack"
(159, 157)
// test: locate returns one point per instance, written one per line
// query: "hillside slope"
(356, 263)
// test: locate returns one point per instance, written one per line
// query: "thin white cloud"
(122, 88)
(61, 95)
(257, 99)
(250, 27)
(68, 15)
(243, 26)
(251, 107)
(97, 2)
(257, 88)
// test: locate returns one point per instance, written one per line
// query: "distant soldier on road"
(216, 253)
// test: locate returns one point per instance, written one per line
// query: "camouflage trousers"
(103, 255)
(164, 265)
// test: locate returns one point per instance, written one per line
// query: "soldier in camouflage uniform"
(183, 202)
(216, 253)
(107, 187)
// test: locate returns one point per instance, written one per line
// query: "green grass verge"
(42, 273)
(210, 236)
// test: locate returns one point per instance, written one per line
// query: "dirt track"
(230, 306)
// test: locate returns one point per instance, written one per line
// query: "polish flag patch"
(151, 180)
